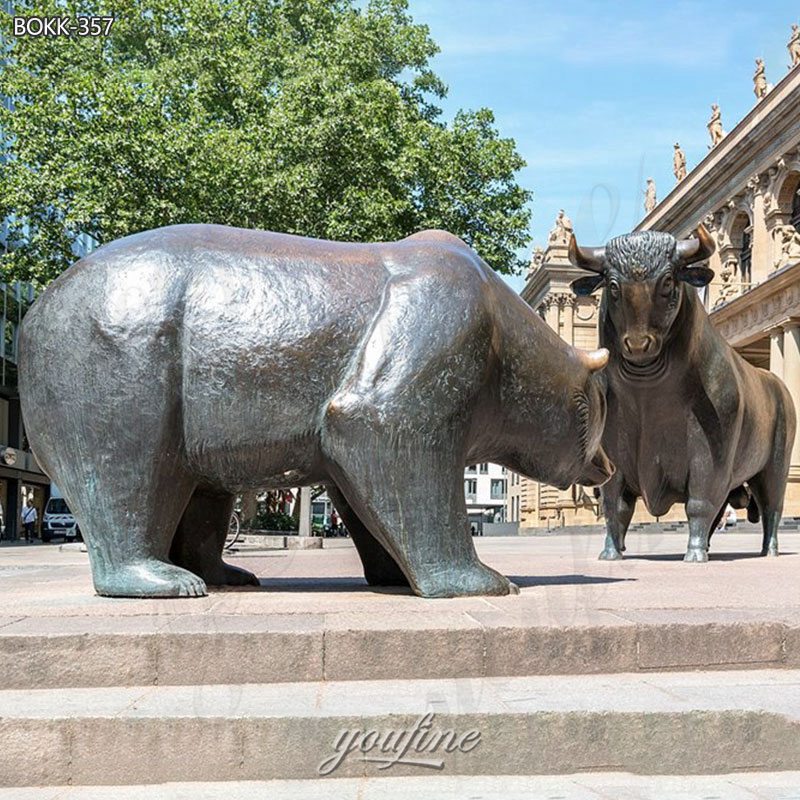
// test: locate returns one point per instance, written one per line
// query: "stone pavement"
(648, 665)
(597, 786)
(320, 621)
(556, 573)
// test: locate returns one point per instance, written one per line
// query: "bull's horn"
(696, 249)
(595, 360)
(589, 258)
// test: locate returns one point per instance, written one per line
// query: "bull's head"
(643, 275)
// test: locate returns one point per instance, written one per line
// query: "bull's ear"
(695, 276)
(585, 286)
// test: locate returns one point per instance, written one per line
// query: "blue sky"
(595, 94)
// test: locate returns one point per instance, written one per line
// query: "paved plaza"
(559, 578)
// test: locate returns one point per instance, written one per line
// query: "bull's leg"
(701, 514)
(769, 485)
(200, 537)
(619, 504)
(768, 490)
(380, 569)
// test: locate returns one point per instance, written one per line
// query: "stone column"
(551, 314)
(713, 290)
(12, 509)
(791, 373)
(568, 310)
(305, 511)
(776, 352)
(762, 247)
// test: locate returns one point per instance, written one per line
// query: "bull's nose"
(638, 345)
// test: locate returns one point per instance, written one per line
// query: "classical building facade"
(574, 318)
(747, 192)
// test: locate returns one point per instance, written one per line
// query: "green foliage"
(314, 117)
(273, 521)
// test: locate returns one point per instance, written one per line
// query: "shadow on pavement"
(712, 556)
(562, 580)
(353, 584)
(356, 584)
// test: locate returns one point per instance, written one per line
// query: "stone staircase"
(238, 702)
(787, 524)
(685, 723)
(645, 678)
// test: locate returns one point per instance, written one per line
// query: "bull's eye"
(667, 285)
(613, 289)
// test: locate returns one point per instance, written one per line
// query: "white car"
(58, 521)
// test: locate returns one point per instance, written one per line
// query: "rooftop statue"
(760, 80)
(679, 163)
(689, 420)
(537, 259)
(562, 230)
(650, 200)
(715, 126)
(168, 371)
(794, 46)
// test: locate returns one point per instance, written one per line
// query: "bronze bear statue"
(171, 369)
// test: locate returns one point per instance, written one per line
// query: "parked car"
(58, 521)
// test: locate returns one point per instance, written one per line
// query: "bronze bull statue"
(689, 420)
(169, 370)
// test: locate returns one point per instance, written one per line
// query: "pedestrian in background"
(29, 516)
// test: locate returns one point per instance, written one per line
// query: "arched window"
(746, 255)
(741, 236)
(795, 220)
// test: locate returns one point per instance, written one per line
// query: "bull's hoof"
(770, 551)
(610, 554)
(695, 554)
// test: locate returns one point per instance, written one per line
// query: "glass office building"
(21, 479)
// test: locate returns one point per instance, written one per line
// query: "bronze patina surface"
(689, 420)
(169, 370)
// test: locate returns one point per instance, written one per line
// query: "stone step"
(205, 649)
(586, 786)
(670, 723)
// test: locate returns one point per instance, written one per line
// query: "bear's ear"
(585, 286)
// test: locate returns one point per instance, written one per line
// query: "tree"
(314, 117)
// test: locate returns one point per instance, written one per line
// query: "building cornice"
(536, 288)
(770, 304)
(766, 132)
